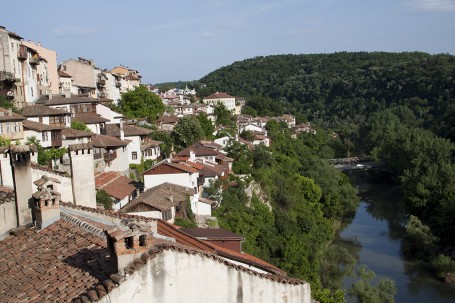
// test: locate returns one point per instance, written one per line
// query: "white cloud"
(74, 31)
(433, 5)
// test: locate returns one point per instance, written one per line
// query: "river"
(377, 230)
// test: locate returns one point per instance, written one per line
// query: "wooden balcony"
(22, 53)
(7, 76)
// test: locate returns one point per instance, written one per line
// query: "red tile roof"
(75, 133)
(57, 264)
(41, 110)
(114, 184)
(212, 233)
(40, 127)
(198, 149)
(128, 130)
(9, 115)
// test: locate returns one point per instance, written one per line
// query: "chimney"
(10, 112)
(127, 243)
(192, 155)
(20, 160)
(122, 133)
(67, 94)
(47, 202)
(49, 96)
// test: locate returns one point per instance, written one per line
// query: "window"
(8, 128)
(44, 136)
(167, 214)
(134, 155)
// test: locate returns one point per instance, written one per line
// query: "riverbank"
(374, 236)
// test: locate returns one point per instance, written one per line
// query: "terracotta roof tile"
(114, 184)
(57, 264)
(218, 96)
(199, 150)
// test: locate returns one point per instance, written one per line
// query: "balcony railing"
(33, 60)
(7, 76)
(101, 82)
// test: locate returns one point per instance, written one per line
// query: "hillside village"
(62, 246)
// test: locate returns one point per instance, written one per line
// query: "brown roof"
(181, 237)
(9, 115)
(129, 130)
(63, 74)
(212, 233)
(59, 100)
(41, 110)
(90, 118)
(161, 197)
(75, 133)
(218, 95)
(150, 143)
(168, 119)
(114, 184)
(40, 127)
(199, 150)
(59, 263)
(107, 141)
(180, 167)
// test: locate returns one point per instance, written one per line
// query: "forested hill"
(343, 88)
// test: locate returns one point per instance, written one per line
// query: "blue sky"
(178, 40)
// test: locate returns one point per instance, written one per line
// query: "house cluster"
(60, 246)
(56, 251)
(29, 71)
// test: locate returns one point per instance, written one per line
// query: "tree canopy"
(141, 103)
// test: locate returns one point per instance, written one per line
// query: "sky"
(177, 40)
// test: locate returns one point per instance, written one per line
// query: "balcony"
(101, 82)
(7, 76)
(22, 53)
(33, 60)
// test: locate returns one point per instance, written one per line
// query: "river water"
(374, 236)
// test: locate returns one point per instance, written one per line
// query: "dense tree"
(79, 125)
(383, 292)
(187, 131)
(206, 125)
(141, 103)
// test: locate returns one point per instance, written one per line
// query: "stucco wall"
(83, 176)
(180, 277)
(64, 188)
(179, 179)
(8, 218)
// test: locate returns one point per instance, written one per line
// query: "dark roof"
(198, 149)
(39, 126)
(114, 184)
(161, 197)
(59, 100)
(128, 130)
(63, 74)
(41, 110)
(212, 233)
(212, 170)
(168, 119)
(57, 264)
(75, 133)
(90, 118)
(107, 141)
(150, 143)
(9, 115)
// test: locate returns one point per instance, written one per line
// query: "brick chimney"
(127, 243)
(47, 202)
